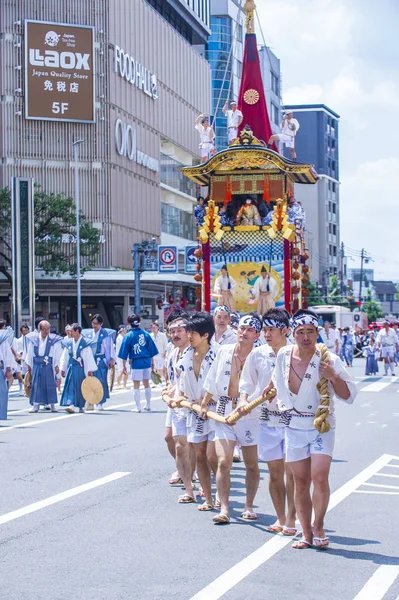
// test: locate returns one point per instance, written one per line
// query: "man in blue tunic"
(101, 341)
(77, 363)
(43, 360)
(138, 347)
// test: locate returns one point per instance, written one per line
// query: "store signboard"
(59, 72)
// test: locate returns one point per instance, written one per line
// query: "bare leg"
(277, 488)
(193, 458)
(204, 471)
(272, 139)
(224, 452)
(290, 490)
(302, 478)
(170, 442)
(183, 462)
(250, 456)
(320, 469)
(211, 456)
(126, 375)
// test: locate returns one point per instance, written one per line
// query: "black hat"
(223, 267)
(263, 270)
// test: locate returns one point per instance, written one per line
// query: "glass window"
(334, 250)
(239, 33)
(275, 84)
(174, 178)
(334, 208)
(177, 222)
(238, 68)
(334, 230)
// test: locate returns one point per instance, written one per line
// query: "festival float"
(251, 227)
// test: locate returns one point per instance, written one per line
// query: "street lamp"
(142, 261)
(77, 204)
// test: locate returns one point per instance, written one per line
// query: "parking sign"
(167, 259)
(190, 262)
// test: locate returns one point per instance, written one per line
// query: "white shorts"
(206, 148)
(200, 430)
(245, 432)
(179, 424)
(232, 133)
(302, 443)
(168, 420)
(271, 442)
(288, 140)
(388, 351)
(159, 362)
(140, 374)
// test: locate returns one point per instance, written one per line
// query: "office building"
(141, 132)
(224, 52)
(271, 76)
(317, 143)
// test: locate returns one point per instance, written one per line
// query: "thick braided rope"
(195, 407)
(235, 416)
(320, 420)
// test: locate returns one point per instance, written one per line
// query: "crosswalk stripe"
(386, 475)
(375, 492)
(378, 386)
(382, 485)
(379, 583)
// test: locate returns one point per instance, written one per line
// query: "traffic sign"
(190, 262)
(167, 259)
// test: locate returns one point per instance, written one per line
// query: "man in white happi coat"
(255, 381)
(289, 129)
(222, 384)
(43, 359)
(234, 120)
(329, 337)
(387, 341)
(265, 291)
(207, 136)
(309, 453)
(224, 334)
(161, 342)
(19, 349)
(194, 367)
(176, 418)
(224, 288)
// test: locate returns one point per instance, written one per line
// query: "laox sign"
(126, 145)
(65, 60)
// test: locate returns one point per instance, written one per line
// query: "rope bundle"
(320, 420)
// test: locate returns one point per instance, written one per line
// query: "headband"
(274, 323)
(219, 309)
(174, 325)
(304, 320)
(250, 321)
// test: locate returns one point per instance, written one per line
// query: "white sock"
(391, 367)
(137, 399)
(147, 392)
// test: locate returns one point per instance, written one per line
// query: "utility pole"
(342, 268)
(147, 262)
(77, 204)
(361, 275)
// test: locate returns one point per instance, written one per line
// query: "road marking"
(377, 386)
(383, 485)
(379, 583)
(31, 508)
(67, 416)
(225, 582)
(393, 466)
(372, 492)
(387, 475)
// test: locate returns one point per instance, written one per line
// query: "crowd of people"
(219, 369)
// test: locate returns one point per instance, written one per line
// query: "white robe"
(86, 354)
(228, 337)
(329, 339)
(256, 376)
(299, 410)
(260, 285)
(218, 380)
(56, 352)
(222, 284)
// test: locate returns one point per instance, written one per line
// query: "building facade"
(224, 52)
(271, 76)
(131, 188)
(317, 143)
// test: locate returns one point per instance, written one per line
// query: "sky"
(345, 54)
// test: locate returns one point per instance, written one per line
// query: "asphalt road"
(87, 513)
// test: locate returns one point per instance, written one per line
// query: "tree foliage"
(372, 308)
(315, 298)
(55, 235)
(334, 293)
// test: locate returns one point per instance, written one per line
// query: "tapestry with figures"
(245, 253)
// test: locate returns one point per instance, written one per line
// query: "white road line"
(220, 586)
(393, 466)
(379, 493)
(67, 416)
(387, 475)
(383, 485)
(379, 583)
(377, 386)
(31, 508)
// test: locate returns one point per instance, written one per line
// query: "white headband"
(304, 320)
(273, 323)
(250, 321)
(219, 309)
